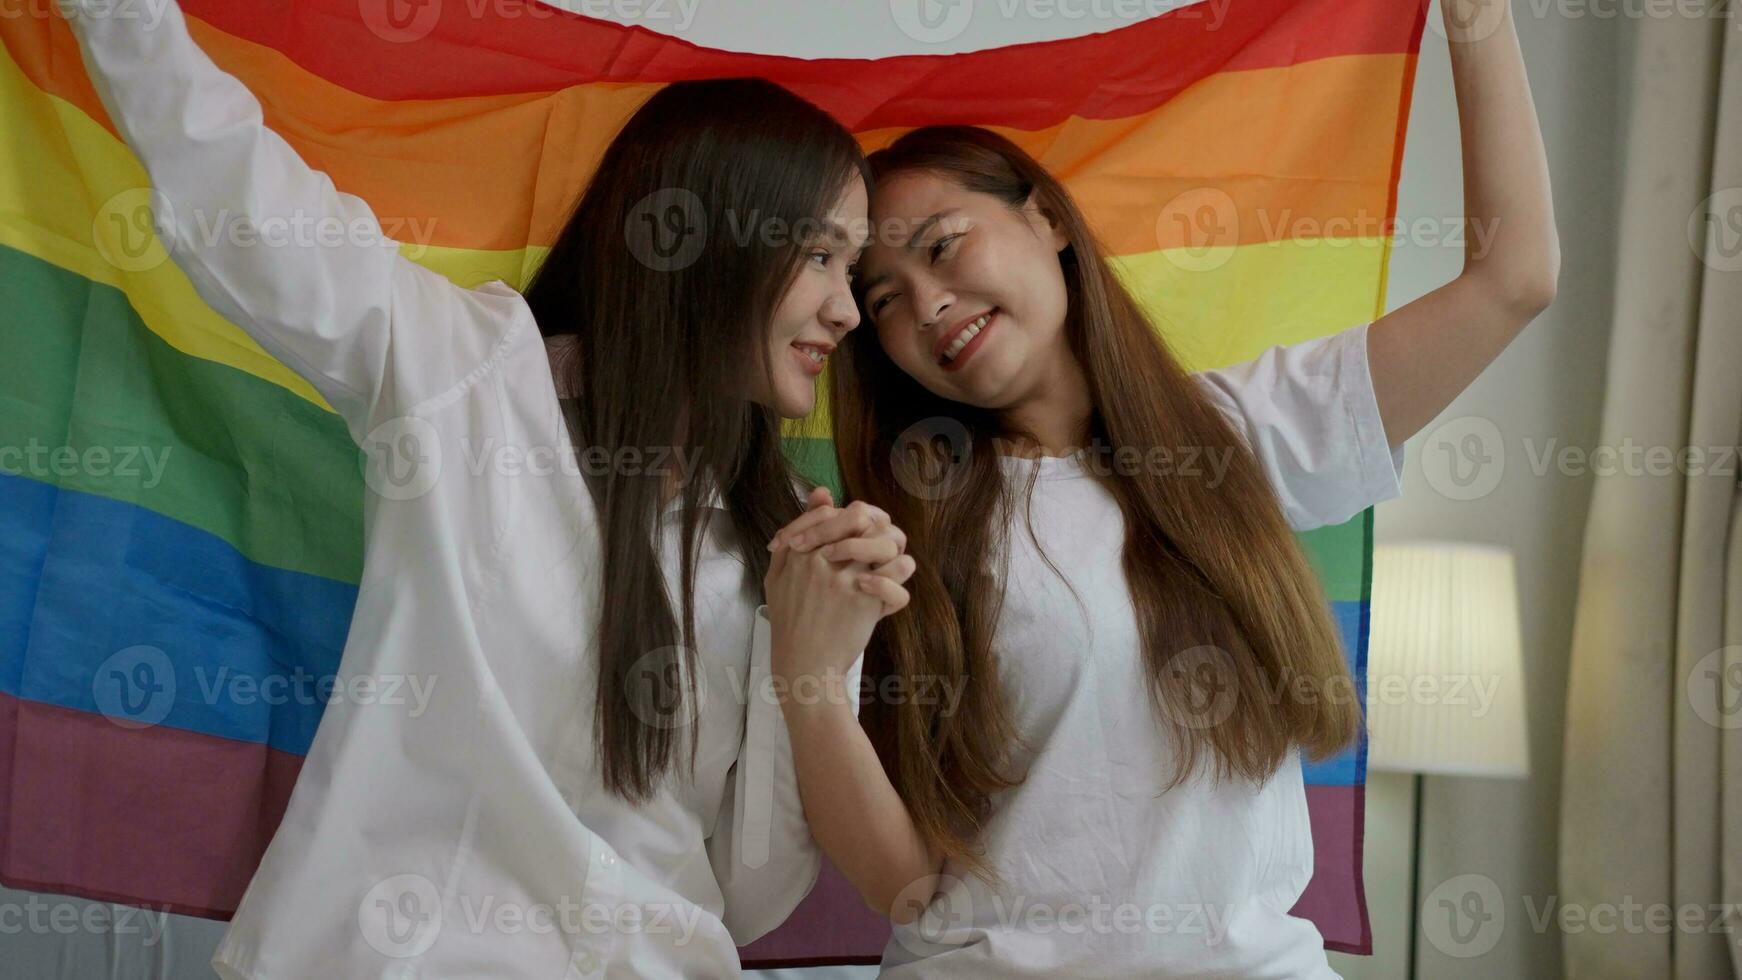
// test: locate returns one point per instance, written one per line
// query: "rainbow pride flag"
(169, 491)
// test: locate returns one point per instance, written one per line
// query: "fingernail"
(829, 552)
(774, 544)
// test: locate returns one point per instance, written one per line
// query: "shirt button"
(608, 859)
(587, 963)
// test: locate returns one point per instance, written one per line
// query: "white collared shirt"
(472, 838)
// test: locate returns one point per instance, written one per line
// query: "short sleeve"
(1309, 415)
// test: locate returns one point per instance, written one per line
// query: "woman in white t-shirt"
(562, 487)
(1082, 740)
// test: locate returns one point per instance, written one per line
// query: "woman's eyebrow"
(924, 226)
(912, 242)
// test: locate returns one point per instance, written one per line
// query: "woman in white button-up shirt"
(533, 820)
(1134, 649)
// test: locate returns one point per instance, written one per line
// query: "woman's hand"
(824, 600)
(838, 531)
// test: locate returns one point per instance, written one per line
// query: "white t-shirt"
(1103, 874)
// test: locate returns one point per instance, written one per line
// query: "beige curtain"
(1652, 794)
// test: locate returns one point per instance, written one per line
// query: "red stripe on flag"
(471, 47)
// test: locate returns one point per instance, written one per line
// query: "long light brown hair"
(667, 284)
(1223, 593)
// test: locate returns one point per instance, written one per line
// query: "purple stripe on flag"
(156, 816)
(1335, 899)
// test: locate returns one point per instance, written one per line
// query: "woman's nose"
(840, 313)
(932, 308)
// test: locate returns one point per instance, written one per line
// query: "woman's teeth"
(812, 353)
(961, 341)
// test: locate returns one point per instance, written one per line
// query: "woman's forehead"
(852, 198)
(914, 207)
(908, 191)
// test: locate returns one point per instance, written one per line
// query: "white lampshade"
(1445, 677)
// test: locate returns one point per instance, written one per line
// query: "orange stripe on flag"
(1240, 158)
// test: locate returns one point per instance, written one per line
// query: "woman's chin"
(796, 403)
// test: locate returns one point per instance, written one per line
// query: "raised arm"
(1426, 352)
(268, 241)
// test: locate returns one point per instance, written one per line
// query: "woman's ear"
(1055, 229)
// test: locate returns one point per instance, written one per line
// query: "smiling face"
(966, 294)
(817, 309)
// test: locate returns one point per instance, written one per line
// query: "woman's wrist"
(809, 687)
(814, 695)
(1473, 21)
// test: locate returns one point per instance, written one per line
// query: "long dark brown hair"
(667, 274)
(1218, 579)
